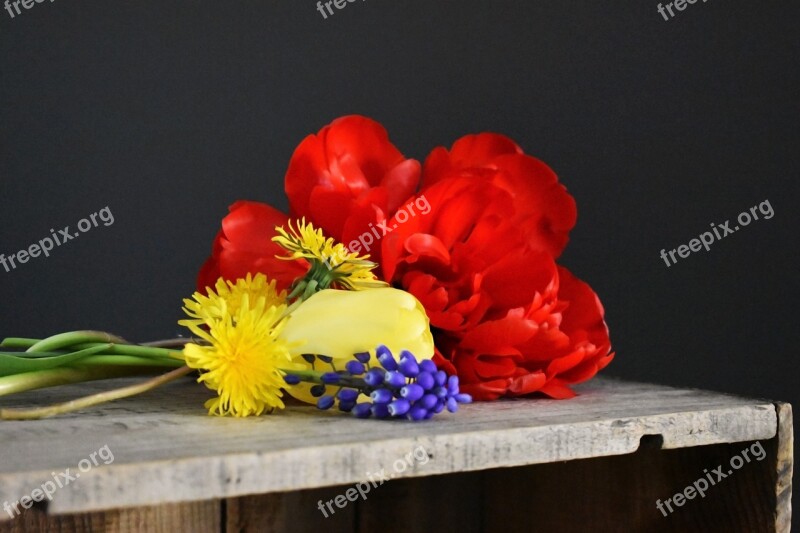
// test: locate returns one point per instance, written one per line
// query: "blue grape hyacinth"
(399, 388)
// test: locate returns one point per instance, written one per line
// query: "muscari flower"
(406, 388)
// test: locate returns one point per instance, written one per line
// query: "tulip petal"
(557, 389)
(499, 337)
(470, 151)
(486, 391)
(244, 246)
(341, 323)
(527, 383)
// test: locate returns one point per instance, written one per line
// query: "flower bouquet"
(391, 290)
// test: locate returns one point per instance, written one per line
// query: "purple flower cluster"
(399, 388)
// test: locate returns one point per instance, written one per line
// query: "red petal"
(422, 245)
(307, 169)
(587, 370)
(486, 391)
(349, 165)
(476, 149)
(542, 204)
(527, 383)
(244, 246)
(251, 226)
(557, 389)
(487, 366)
(366, 141)
(562, 364)
(470, 151)
(442, 363)
(517, 278)
(583, 318)
(500, 337)
(401, 183)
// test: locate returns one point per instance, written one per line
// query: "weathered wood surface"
(613, 494)
(167, 450)
(194, 517)
(784, 467)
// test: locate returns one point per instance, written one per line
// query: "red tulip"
(541, 203)
(505, 317)
(244, 246)
(348, 176)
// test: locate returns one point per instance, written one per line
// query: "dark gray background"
(167, 112)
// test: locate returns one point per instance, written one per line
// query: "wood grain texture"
(783, 467)
(437, 503)
(167, 450)
(296, 511)
(619, 494)
(197, 517)
(610, 494)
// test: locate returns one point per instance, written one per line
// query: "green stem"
(179, 342)
(18, 343)
(138, 351)
(314, 376)
(297, 290)
(71, 338)
(94, 399)
(13, 364)
(34, 345)
(311, 288)
(310, 376)
(130, 360)
(67, 375)
(294, 305)
(37, 355)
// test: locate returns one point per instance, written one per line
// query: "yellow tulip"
(340, 323)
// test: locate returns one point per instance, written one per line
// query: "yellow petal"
(340, 323)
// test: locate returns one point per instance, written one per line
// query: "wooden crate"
(597, 462)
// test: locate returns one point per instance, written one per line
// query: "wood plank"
(197, 517)
(296, 511)
(436, 503)
(453, 502)
(783, 467)
(615, 494)
(619, 493)
(166, 449)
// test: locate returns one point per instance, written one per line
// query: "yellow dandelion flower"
(226, 299)
(332, 264)
(245, 356)
(303, 241)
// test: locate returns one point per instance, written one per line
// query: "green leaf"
(11, 364)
